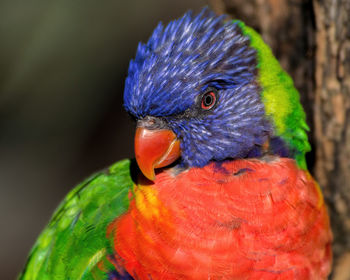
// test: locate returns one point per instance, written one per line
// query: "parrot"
(219, 187)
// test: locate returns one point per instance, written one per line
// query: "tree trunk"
(311, 39)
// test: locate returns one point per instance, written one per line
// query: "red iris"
(208, 100)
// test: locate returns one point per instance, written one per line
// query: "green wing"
(75, 241)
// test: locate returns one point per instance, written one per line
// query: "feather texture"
(74, 243)
(257, 101)
(244, 219)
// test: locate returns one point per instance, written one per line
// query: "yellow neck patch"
(148, 203)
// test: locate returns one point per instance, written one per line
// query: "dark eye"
(208, 100)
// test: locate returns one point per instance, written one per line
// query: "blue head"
(197, 76)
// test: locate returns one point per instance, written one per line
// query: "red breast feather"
(244, 219)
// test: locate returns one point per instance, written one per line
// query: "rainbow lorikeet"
(222, 190)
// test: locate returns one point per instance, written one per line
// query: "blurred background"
(62, 70)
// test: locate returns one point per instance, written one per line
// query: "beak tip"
(146, 169)
(150, 175)
(151, 179)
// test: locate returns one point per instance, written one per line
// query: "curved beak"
(155, 148)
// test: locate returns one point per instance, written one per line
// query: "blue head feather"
(177, 65)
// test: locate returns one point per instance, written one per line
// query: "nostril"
(151, 123)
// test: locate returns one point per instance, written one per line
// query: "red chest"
(245, 219)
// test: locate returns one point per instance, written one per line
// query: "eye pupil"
(208, 100)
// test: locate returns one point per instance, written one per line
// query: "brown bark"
(332, 113)
(311, 39)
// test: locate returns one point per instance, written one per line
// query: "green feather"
(75, 239)
(280, 97)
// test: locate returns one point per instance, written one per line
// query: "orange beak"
(155, 149)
